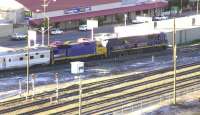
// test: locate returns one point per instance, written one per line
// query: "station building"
(69, 14)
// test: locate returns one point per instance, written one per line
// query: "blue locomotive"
(111, 47)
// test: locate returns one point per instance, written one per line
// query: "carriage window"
(21, 58)
(31, 57)
(41, 56)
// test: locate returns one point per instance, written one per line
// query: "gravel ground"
(188, 104)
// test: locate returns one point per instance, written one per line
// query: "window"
(31, 57)
(137, 13)
(36, 53)
(145, 11)
(9, 60)
(21, 58)
(26, 54)
(41, 56)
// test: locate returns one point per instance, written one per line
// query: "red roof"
(103, 12)
(33, 5)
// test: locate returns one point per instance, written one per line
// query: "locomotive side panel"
(2, 63)
(136, 44)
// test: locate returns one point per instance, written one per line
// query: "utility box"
(77, 67)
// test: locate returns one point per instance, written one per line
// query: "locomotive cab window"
(41, 56)
(31, 57)
(21, 58)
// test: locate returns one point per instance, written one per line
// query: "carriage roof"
(12, 51)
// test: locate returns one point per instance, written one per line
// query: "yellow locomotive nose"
(100, 50)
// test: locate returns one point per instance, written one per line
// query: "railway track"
(96, 103)
(89, 83)
(123, 89)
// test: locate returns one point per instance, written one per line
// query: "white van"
(83, 28)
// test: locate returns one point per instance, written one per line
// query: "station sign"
(77, 10)
(92, 24)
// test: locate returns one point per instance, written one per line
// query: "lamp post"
(174, 58)
(125, 18)
(20, 86)
(197, 6)
(33, 85)
(45, 5)
(27, 68)
(155, 11)
(181, 6)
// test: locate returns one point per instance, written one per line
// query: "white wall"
(6, 30)
(185, 31)
(10, 5)
(184, 36)
(11, 10)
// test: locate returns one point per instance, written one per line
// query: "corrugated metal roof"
(33, 5)
(103, 12)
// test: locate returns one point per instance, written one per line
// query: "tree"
(178, 3)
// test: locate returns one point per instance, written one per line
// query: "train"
(84, 49)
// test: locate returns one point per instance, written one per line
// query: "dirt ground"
(186, 105)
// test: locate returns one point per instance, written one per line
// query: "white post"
(174, 59)
(181, 7)
(27, 70)
(42, 36)
(57, 88)
(80, 94)
(33, 85)
(44, 6)
(125, 18)
(43, 28)
(92, 34)
(15, 17)
(20, 87)
(48, 30)
(152, 58)
(197, 7)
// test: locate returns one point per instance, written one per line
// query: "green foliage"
(82, 22)
(28, 14)
(101, 20)
(178, 3)
(119, 18)
(45, 23)
(191, 42)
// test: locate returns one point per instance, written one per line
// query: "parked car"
(56, 31)
(158, 18)
(83, 28)
(136, 22)
(82, 40)
(143, 19)
(102, 36)
(56, 43)
(19, 36)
